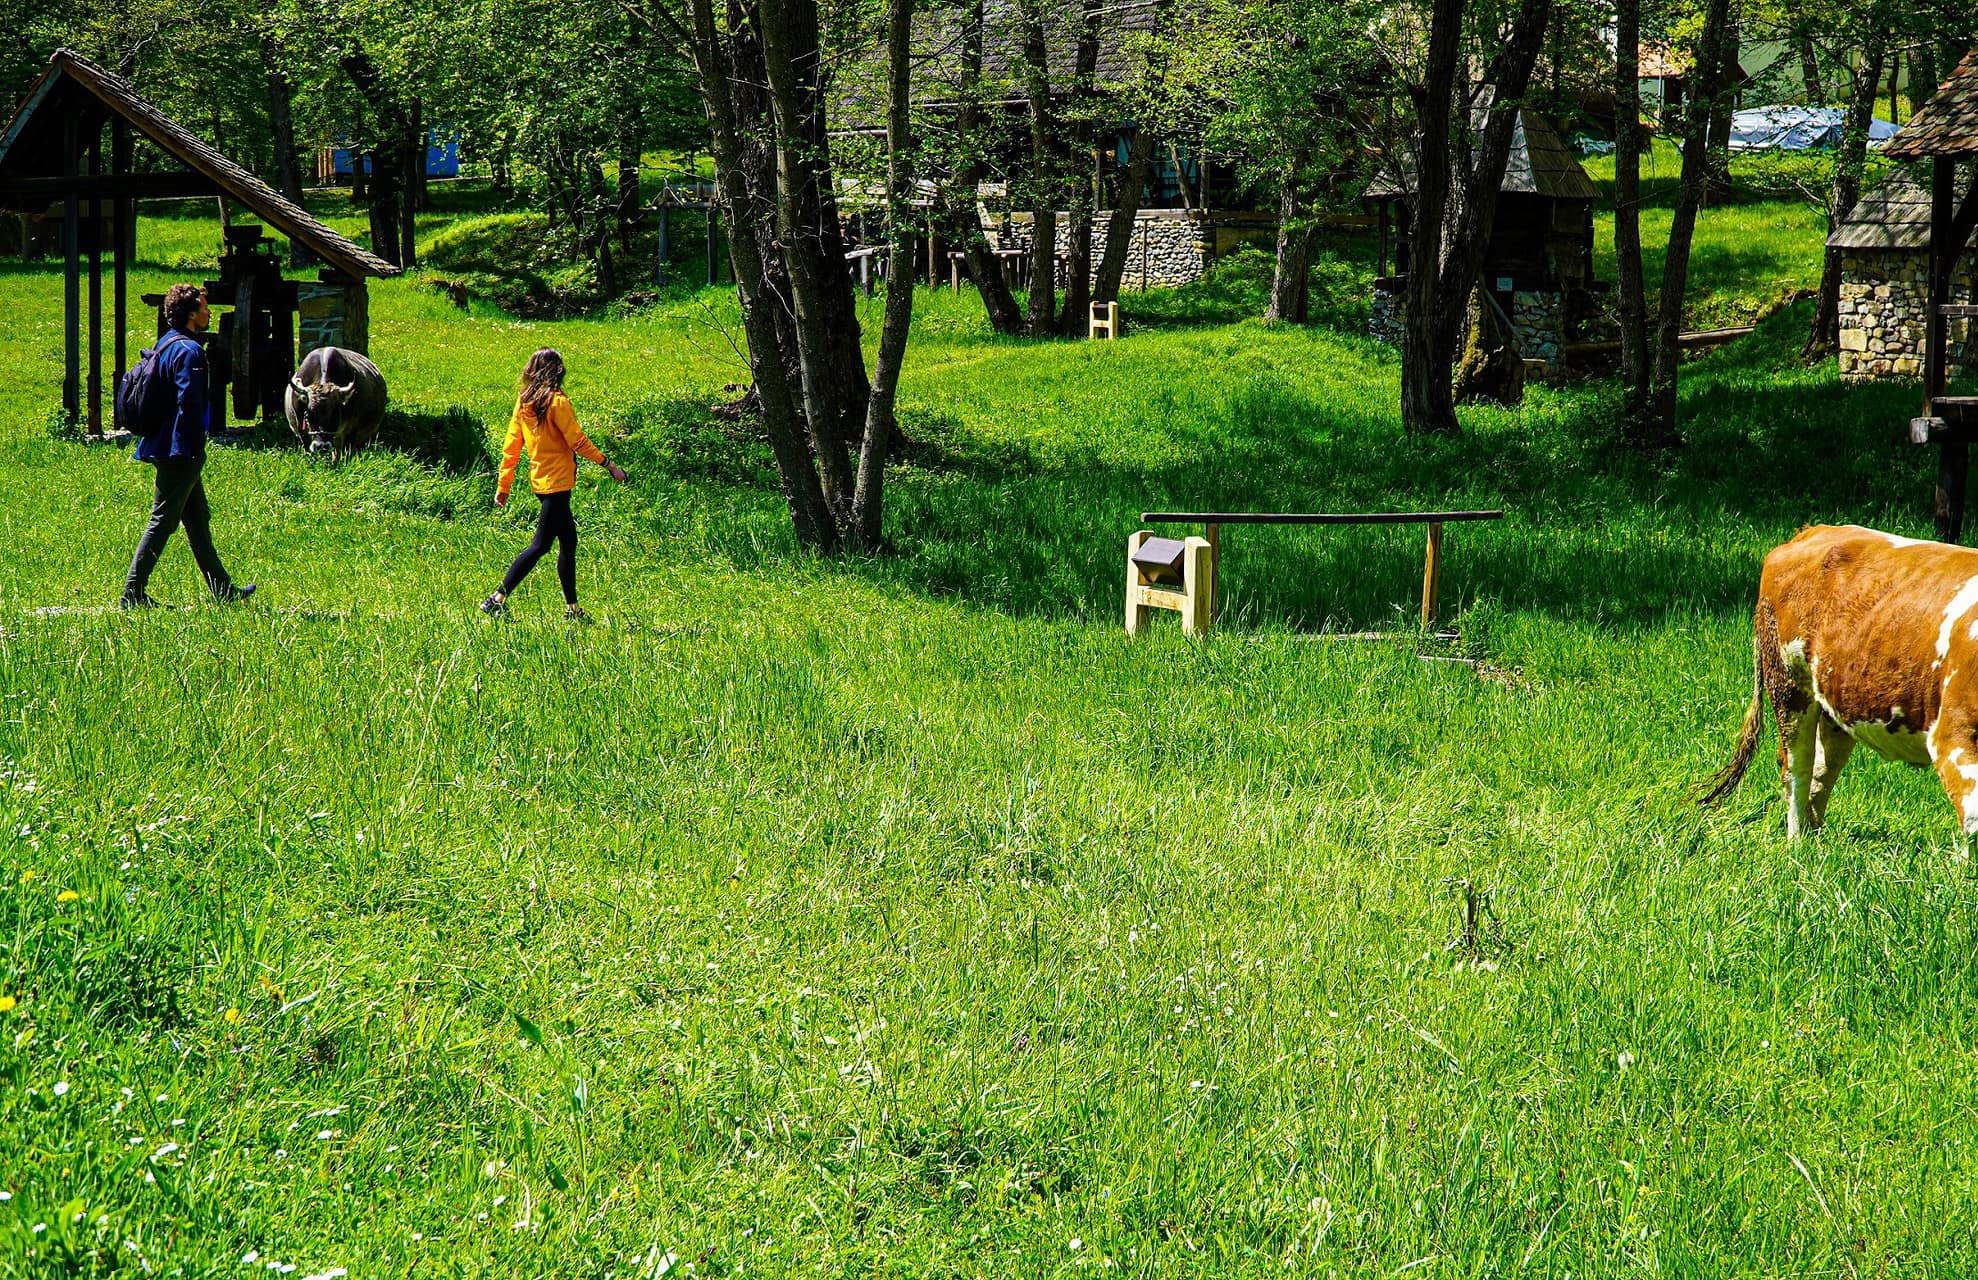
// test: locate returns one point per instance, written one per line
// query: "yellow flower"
(231, 1017)
(67, 895)
(6, 1004)
(26, 876)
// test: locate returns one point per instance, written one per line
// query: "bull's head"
(319, 406)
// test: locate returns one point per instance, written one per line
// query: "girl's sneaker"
(493, 605)
(575, 613)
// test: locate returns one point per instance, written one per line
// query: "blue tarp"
(442, 156)
(1793, 128)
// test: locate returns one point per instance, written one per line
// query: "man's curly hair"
(181, 304)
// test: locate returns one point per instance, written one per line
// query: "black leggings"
(554, 523)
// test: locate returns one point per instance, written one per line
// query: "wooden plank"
(1432, 574)
(1308, 517)
(120, 222)
(71, 277)
(1955, 410)
(39, 193)
(1958, 311)
(96, 296)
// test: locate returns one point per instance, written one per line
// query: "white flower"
(249, 1258)
(1076, 1244)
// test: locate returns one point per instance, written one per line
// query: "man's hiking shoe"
(138, 602)
(493, 605)
(235, 593)
(575, 613)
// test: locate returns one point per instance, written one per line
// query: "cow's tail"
(1726, 780)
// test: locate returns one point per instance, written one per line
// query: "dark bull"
(335, 401)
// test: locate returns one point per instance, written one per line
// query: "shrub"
(518, 261)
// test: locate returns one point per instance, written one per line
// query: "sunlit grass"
(897, 917)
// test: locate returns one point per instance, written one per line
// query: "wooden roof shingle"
(1892, 214)
(32, 147)
(1947, 125)
(1540, 164)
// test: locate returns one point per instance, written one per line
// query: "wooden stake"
(1431, 575)
(96, 295)
(71, 275)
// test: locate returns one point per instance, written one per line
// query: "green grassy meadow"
(898, 917)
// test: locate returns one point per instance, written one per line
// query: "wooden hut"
(1885, 279)
(1539, 266)
(53, 154)
(1944, 133)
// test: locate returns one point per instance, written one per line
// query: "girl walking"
(546, 425)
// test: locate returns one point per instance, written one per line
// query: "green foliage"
(517, 261)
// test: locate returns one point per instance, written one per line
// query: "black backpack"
(145, 400)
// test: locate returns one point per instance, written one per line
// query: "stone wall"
(1538, 320)
(333, 311)
(1883, 302)
(1169, 246)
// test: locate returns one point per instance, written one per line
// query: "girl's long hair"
(541, 379)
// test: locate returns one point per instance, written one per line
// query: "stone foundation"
(1883, 303)
(1538, 321)
(1169, 246)
(332, 312)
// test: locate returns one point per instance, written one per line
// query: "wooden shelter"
(1945, 132)
(1539, 265)
(1884, 244)
(52, 152)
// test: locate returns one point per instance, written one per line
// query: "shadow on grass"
(1591, 533)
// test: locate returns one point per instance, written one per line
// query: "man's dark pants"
(179, 499)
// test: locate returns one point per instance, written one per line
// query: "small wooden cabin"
(1539, 266)
(1885, 285)
(72, 147)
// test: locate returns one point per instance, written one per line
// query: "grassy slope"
(900, 918)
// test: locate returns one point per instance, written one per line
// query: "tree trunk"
(833, 370)
(1630, 286)
(1809, 68)
(1657, 428)
(809, 512)
(281, 123)
(413, 190)
(1290, 296)
(1458, 178)
(866, 521)
(1125, 213)
(1848, 167)
(959, 195)
(1723, 103)
(1922, 75)
(1042, 303)
(630, 204)
(1082, 203)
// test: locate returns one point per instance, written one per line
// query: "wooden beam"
(96, 293)
(39, 193)
(121, 211)
(71, 283)
(1953, 456)
(1432, 575)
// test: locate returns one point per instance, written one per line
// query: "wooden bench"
(1166, 573)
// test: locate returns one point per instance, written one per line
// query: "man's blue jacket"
(182, 364)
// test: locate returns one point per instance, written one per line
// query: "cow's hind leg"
(1954, 751)
(1832, 747)
(1799, 739)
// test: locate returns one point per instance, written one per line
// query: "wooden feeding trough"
(1180, 574)
(54, 152)
(1944, 132)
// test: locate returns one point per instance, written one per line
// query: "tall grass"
(897, 916)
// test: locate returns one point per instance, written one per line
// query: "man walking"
(176, 447)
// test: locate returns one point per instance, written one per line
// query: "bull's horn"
(296, 382)
(346, 388)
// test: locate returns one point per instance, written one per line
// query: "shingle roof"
(31, 147)
(1540, 164)
(1948, 123)
(1893, 214)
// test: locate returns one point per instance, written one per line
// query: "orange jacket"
(553, 449)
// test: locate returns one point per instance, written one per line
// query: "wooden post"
(1213, 535)
(121, 212)
(713, 253)
(71, 275)
(660, 256)
(1431, 575)
(1199, 574)
(933, 249)
(96, 291)
(1953, 454)
(1136, 605)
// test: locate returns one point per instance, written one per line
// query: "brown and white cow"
(1864, 637)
